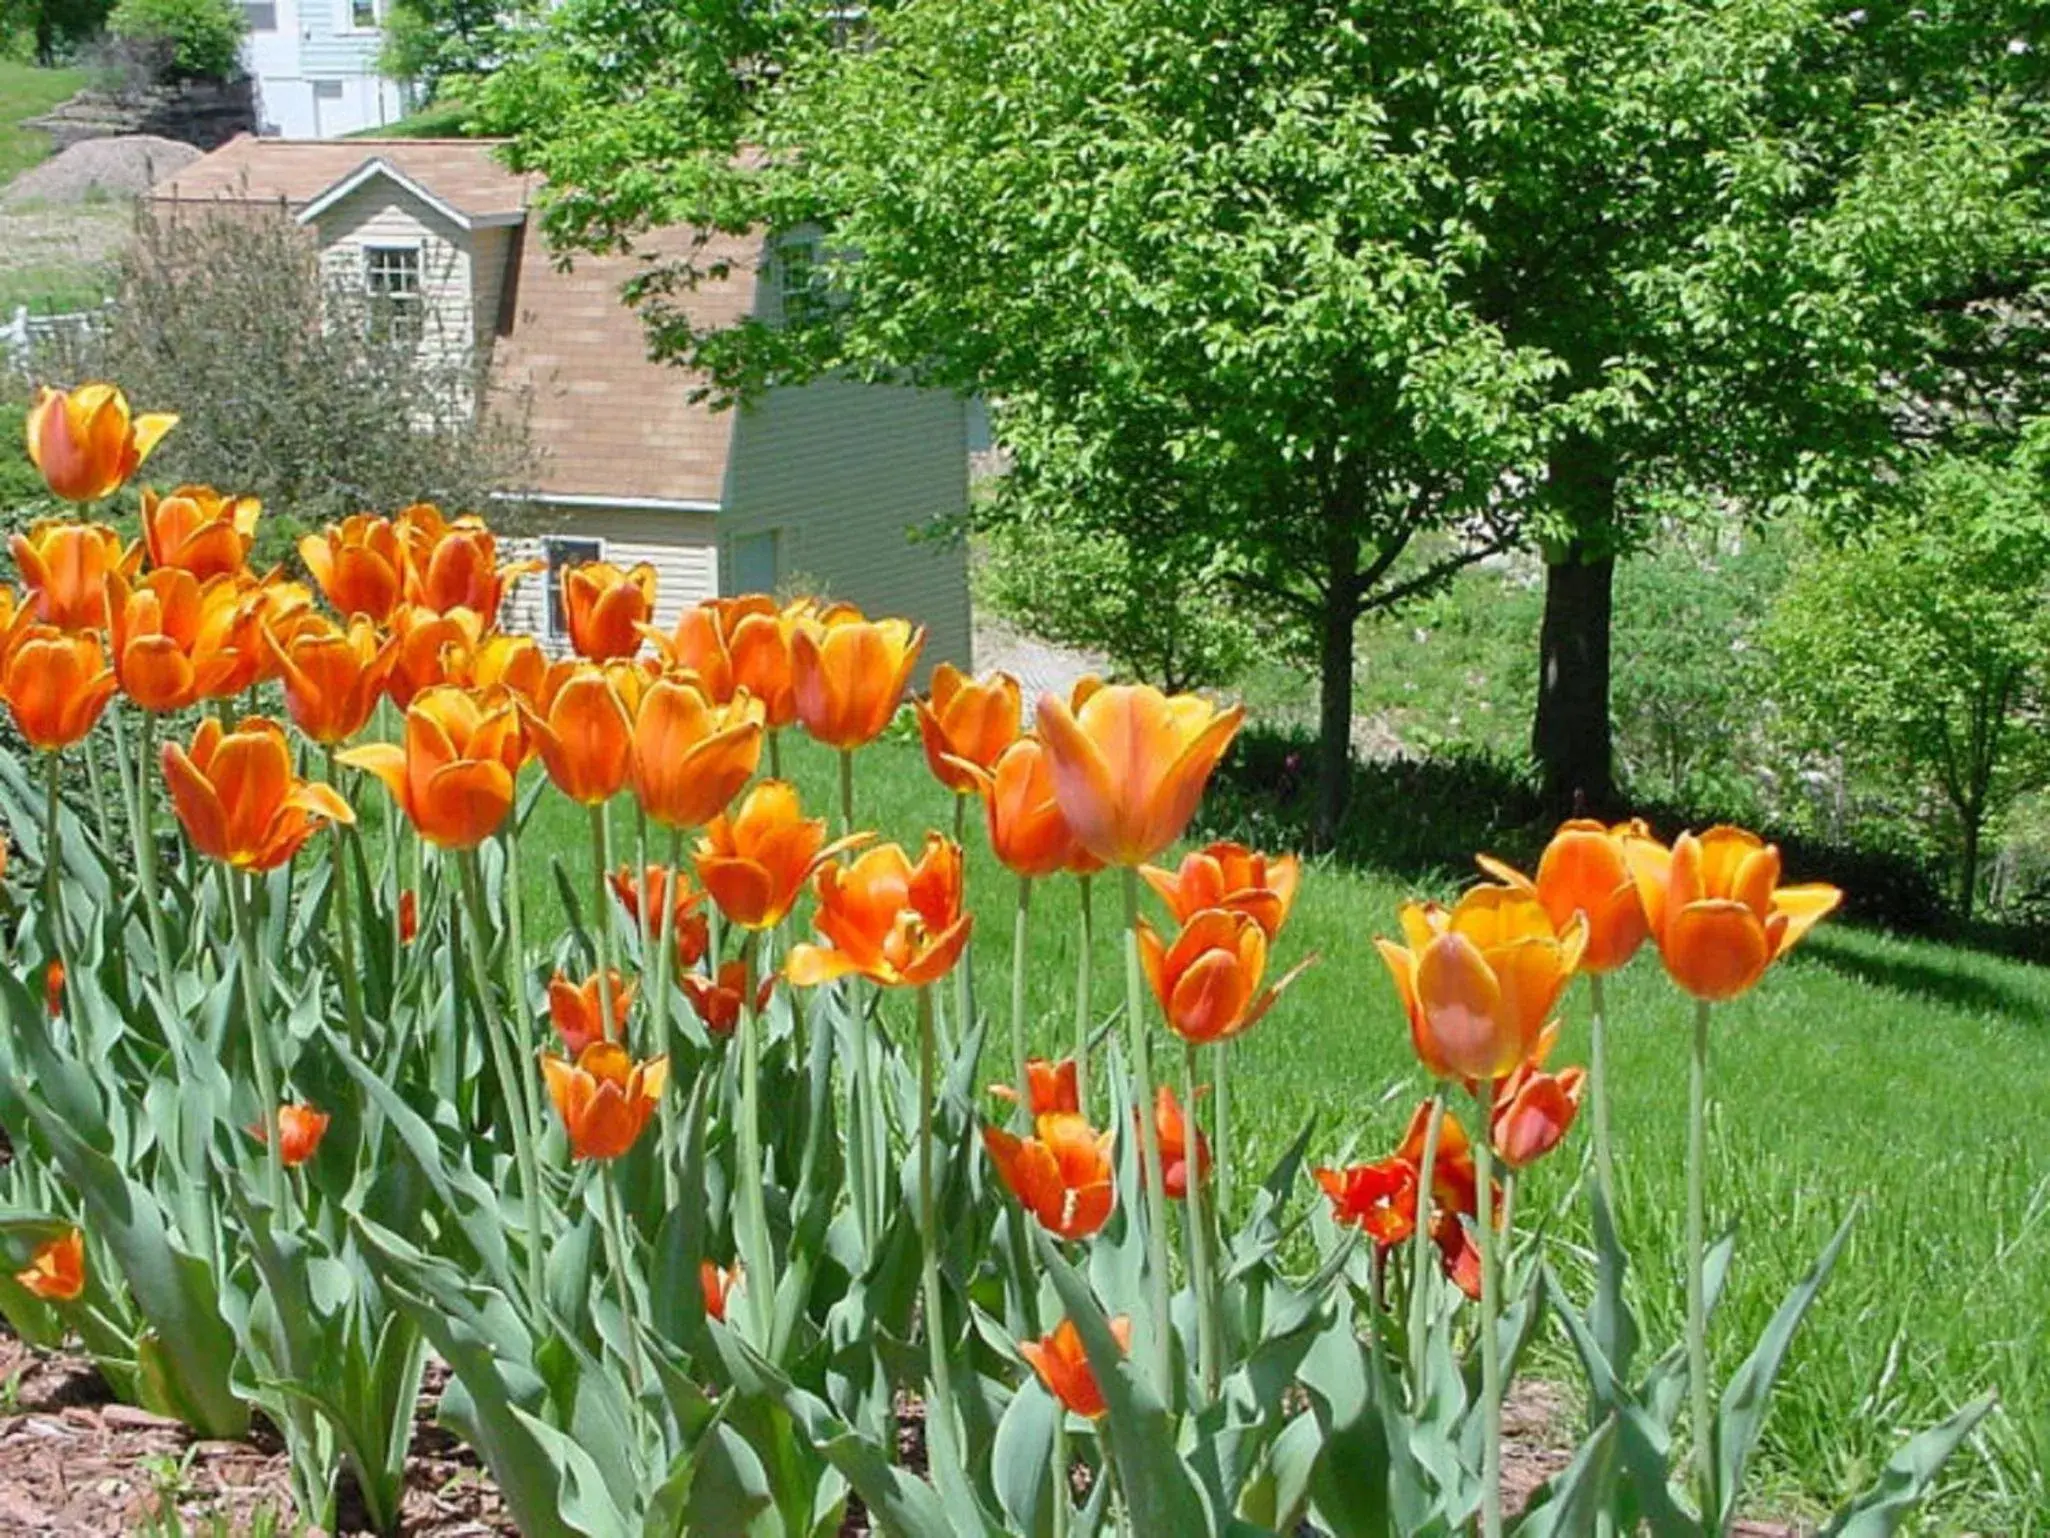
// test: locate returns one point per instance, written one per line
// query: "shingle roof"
(604, 419)
(465, 173)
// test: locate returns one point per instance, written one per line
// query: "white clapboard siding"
(843, 474)
(682, 547)
(381, 213)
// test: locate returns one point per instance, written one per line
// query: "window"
(327, 90)
(754, 563)
(262, 14)
(391, 282)
(562, 555)
(800, 280)
(363, 15)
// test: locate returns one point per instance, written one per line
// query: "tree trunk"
(1335, 659)
(1968, 877)
(1570, 734)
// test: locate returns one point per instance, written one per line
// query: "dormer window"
(800, 280)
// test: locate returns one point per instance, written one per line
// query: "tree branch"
(1431, 576)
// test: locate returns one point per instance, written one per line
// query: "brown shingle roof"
(464, 173)
(605, 420)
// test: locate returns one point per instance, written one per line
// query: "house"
(314, 64)
(839, 487)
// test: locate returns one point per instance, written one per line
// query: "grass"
(25, 92)
(1899, 1080)
(436, 120)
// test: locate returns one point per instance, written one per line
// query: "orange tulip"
(1230, 876)
(1379, 1198)
(606, 607)
(691, 757)
(1583, 871)
(1026, 829)
(1130, 763)
(198, 529)
(56, 685)
(584, 736)
(1455, 1179)
(300, 1129)
(1478, 981)
(453, 563)
(1063, 1364)
(895, 923)
(53, 989)
(332, 676)
(1715, 906)
(85, 443)
(577, 1011)
(434, 649)
(238, 798)
(605, 1098)
(848, 675)
(173, 641)
(1173, 1131)
(454, 777)
(1534, 1111)
(716, 1001)
(1061, 1174)
(57, 1273)
(966, 724)
(1458, 1254)
(754, 861)
(717, 1284)
(269, 607)
(358, 564)
(65, 567)
(1051, 1088)
(733, 644)
(514, 663)
(409, 916)
(693, 933)
(1208, 980)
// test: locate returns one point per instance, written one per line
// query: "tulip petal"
(1715, 949)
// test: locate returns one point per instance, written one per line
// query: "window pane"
(262, 14)
(363, 13)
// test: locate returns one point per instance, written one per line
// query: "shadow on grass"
(1423, 820)
(1926, 979)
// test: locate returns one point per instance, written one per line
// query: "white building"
(842, 488)
(315, 67)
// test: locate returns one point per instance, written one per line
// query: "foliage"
(434, 43)
(1916, 651)
(46, 33)
(194, 39)
(1169, 617)
(350, 415)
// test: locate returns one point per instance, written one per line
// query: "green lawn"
(26, 92)
(1899, 1077)
(436, 120)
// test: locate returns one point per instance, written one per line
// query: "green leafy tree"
(438, 44)
(49, 29)
(1918, 650)
(1304, 283)
(190, 39)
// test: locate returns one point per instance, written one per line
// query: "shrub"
(190, 39)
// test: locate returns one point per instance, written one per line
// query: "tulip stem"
(1062, 1491)
(601, 915)
(846, 792)
(1162, 1322)
(1598, 1093)
(99, 786)
(1697, 1241)
(1220, 1063)
(345, 927)
(756, 1250)
(146, 857)
(615, 1243)
(665, 960)
(1202, 1280)
(964, 974)
(259, 1042)
(502, 1060)
(1491, 1305)
(53, 858)
(1083, 1014)
(942, 1402)
(1019, 925)
(1420, 1252)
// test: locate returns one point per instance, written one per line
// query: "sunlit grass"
(1899, 1077)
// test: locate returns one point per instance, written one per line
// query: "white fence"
(26, 334)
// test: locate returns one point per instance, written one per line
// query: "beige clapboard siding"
(380, 213)
(842, 473)
(682, 547)
(490, 251)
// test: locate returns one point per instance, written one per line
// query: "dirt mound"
(123, 167)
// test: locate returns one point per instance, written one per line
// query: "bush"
(187, 39)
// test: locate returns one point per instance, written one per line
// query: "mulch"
(75, 1463)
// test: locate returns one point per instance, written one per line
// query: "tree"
(1919, 650)
(53, 27)
(437, 43)
(1305, 282)
(319, 420)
